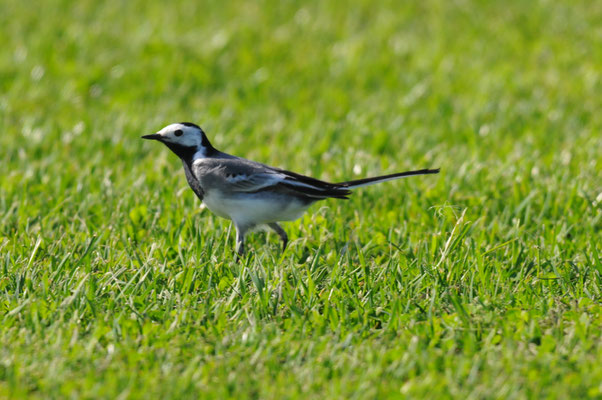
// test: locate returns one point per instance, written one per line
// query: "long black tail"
(378, 179)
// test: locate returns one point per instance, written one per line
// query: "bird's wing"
(251, 182)
(240, 175)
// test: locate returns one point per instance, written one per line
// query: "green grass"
(482, 282)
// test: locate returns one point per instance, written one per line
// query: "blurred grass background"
(481, 282)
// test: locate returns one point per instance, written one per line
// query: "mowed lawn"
(484, 281)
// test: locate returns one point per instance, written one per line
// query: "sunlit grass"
(481, 282)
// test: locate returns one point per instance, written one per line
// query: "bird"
(249, 193)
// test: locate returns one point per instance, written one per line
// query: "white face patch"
(188, 136)
(200, 153)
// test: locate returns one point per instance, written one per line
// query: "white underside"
(254, 208)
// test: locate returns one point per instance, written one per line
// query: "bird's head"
(185, 139)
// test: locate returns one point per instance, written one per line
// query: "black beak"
(154, 136)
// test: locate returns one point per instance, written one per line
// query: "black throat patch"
(184, 152)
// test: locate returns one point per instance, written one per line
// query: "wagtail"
(247, 192)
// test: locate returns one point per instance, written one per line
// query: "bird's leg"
(278, 229)
(241, 231)
(240, 242)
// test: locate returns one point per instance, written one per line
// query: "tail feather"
(320, 193)
(378, 179)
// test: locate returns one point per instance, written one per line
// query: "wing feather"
(240, 175)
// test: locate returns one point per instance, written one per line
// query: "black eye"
(178, 132)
